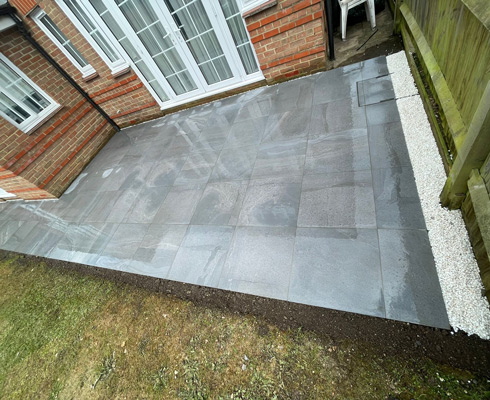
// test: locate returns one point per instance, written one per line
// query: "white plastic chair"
(346, 5)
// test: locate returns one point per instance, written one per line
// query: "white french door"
(182, 49)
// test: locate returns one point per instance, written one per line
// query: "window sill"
(256, 7)
(50, 112)
(121, 71)
(89, 76)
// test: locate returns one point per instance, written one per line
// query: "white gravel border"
(461, 285)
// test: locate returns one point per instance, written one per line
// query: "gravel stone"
(456, 266)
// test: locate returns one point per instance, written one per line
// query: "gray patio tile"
(197, 168)
(374, 67)
(336, 116)
(7, 208)
(338, 269)
(147, 204)
(165, 172)
(234, 164)
(375, 90)
(102, 206)
(387, 146)
(124, 201)
(106, 179)
(159, 153)
(59, 206)
(157, 250)
(338, 152)
(337, 84)
(179, 205)
(259, 262)
(135, 175)
(120, 140)
(271, 205)
(23, 211)
(40, 240)
(107, 157)
(141, 134)
(80, 207)
(194, 121)
(7, 229)
(397, 200)
(211, 139)
(280, 159)
(411, 287)
(83, 243)
(181, 145)
(201, 256)
(220, 203)
(121, 247)
(246, 133)
(255, 108)
(15, 240)
(292, 95)
(223, 116)
(342, 199)
(43, 212)
(382, 113)
(288, 125)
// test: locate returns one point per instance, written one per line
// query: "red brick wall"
(289, 38)
(43, 164)
(24, 6)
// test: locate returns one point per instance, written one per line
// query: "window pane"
(239, 34)
(19, 90)
(63, 40)
(92, 30)
(12, 110)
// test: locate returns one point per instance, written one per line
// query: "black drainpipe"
(329, 11)
(11, 11)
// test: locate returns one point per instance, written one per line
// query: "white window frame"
(116, 67)
(36, 119)
(87, 70)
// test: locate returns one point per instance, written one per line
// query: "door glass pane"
(239, 34)
(128, 47)
(157, 42)
(192, 20)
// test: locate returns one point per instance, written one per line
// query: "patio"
(301, 191)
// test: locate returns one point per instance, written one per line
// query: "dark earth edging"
(391, 337)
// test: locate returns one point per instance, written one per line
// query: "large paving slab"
(302, 192)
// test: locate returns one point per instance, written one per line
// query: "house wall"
(289, 38)
(43, 163)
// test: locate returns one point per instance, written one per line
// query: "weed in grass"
(160, 379)
(107, 368)
(194, 389)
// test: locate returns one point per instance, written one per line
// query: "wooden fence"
(448, 47)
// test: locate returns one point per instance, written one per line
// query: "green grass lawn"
(75, 337)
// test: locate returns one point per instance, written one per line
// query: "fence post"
(396, 17)
(473, 152)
